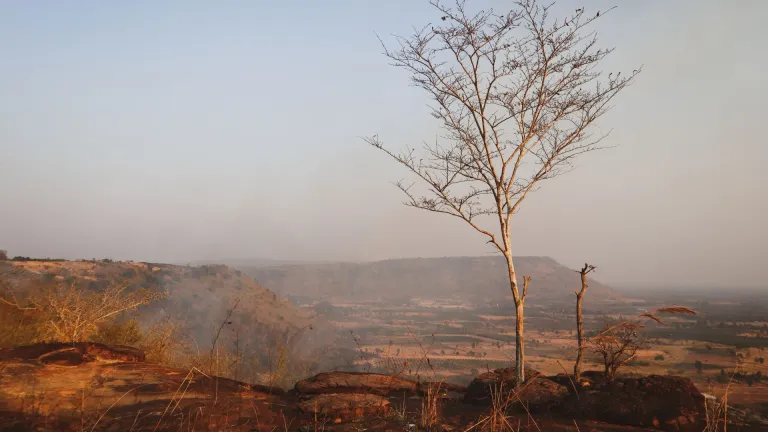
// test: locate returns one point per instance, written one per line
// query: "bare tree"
(517, 95)
(68, 312)
(618, 341)
(580, 320)
(617, 344)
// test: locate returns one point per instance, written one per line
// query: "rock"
(542, 393)
(72, 354)
(445, 391)
(345, 406)
(670, 403)
(486, 384)
(63, 357)
(355, 382)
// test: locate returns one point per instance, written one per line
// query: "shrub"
(166, 341)
(70, 312)
(659, 357)
(120, 333)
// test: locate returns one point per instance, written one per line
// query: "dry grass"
(717, 411)
(430, 406)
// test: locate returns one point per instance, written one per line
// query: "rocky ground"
(89, 386)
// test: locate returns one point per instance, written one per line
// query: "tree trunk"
(580, 321)
(519, 323)
(579, 334)
(519, 344)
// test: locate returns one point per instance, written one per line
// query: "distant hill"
(254, 262)
(472, 279)
(200, 295)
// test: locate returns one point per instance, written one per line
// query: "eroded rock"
(481, 389)
(72, 354)
(355, 382)
(671, 403)
(345, 406)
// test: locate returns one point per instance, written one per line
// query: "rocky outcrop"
(33, 381)
(670, 403)
(485, 385)
(345, 406)
(72, 354)
(537, 394)
(53, 378)
(541, 393)
(355, 382)
(344, 396)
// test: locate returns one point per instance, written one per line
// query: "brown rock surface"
(57, 387)
(355, 382)
(670, 403)
(345, 406)
(72, 353)
(43, 389)
(484, 385)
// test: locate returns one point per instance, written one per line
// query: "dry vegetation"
(443, 345)
(518, 95)
(150, 306)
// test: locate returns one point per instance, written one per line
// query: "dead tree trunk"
(519, 334)
(580, 320)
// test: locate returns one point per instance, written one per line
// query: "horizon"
(624, 287)
(187, 132)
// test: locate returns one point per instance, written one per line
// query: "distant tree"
(580, 320)
(3, 255)
(518, 95)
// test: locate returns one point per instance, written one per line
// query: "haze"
(181, 131)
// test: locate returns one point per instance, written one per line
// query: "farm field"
(456, 344)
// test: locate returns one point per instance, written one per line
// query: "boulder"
(481, 389)
(542, 393)
(345, 406)
(670, 403)
(72, 354)
(355, 382)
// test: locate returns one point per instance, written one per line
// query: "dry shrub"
(430, 406)
(69, 312)
(120, 332)
(618, 341)
(17, 326)
(617, 344)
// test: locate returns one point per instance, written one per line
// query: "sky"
(173, 131)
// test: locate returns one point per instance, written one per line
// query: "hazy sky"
(184, 130)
